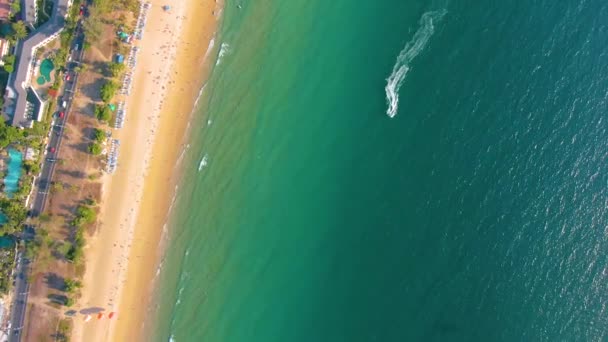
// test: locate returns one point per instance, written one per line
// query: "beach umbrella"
(100, 315)
(111, 314)
(87, 318)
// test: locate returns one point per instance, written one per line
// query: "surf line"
(407, 54)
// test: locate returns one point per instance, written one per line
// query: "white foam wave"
(407, 54)
(159, 268)
(224, 49)
(173, 200)
(198, 97)
(209, 47)
(182, 154)
(204, 162)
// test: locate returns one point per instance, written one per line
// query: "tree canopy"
(103, 113)
(116, 69)
(99, 135)
(19, 29)
(9, 134)
(108, 90)
(9, 63)
(15, 213)
(72, 285)
(95, 149)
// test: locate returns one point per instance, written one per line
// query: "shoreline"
(123, 256)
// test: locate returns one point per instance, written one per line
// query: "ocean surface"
(395, 170)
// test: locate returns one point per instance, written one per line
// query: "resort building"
(22, 103)
(5, 9)
(4, 45)
(29, 11)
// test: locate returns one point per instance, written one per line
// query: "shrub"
(99, 135)
(95, 149)
(108, 90)
(19, 29)
(72, 285)
(103, 113)
(116, 69)
(69, 301)
(86, 214)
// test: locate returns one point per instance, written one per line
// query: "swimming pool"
(11, 181)
(45, 71)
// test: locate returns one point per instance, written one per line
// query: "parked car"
(52, 150)
(61, 115)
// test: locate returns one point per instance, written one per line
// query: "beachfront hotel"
(22, 104)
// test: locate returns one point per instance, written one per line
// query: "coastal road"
(21, 289)
(42, 187)
(56, 133)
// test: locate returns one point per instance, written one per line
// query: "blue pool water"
(11, 181)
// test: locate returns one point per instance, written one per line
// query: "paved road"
(21, 287)
(56, 133)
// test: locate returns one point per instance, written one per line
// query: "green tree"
(16, 6)
(31, 167)
(32, 248)
(99, 135)
(57, 187)
(60, 57)
(15, 212)
(87, 214)
(116, 69)
(103, 113)
(9, 134)
(69, 302)
(108, 90)
(95, 149)
(72, 285)
(9, 63)
(19, 30)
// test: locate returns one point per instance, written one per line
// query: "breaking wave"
(409, 52)
(203, 162)
(224, 49)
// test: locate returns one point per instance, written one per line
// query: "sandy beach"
(123, 255)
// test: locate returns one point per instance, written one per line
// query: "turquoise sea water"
(476, 213)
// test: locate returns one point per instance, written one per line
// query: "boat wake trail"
(409, 52)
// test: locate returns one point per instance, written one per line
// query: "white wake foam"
(409, 52)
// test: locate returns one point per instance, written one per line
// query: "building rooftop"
(5, 9)
(20, 79)
(28, 9)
